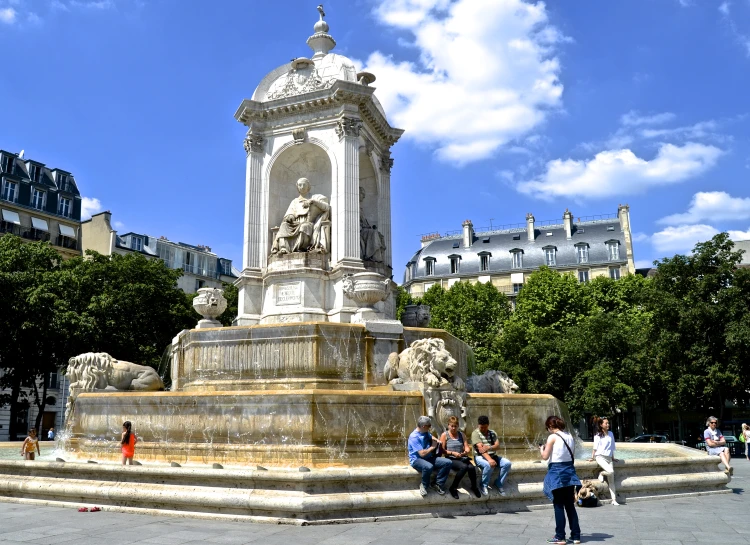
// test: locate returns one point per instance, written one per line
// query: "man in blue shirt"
(423, 456)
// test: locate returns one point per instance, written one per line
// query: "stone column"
(346, 220)
(384, 207)
(250, 283)
(253, 254)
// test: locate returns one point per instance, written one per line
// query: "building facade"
(200, 267)
(586, 247)
(54, 410)
(38, 203)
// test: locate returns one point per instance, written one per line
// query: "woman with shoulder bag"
(561, 479)
(456, 448)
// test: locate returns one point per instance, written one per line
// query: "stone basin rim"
(377, 391)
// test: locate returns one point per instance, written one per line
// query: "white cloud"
(634, 119)
(640, 237)
(33, 18)
(93, 4)
(711, 205)
(739, 235)
(682, 238)
(702, 129)
(724, 8)
(118, 225)
(7, 15)
(57, 4)
(620, 172)
(486, 73)
(89, 207)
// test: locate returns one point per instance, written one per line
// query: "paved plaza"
(699, 519)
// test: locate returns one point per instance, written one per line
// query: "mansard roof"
(502, 243)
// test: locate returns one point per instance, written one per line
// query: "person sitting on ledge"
(486, 444)
(423, 456)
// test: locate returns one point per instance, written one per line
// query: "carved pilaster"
(348, 126)
(386, 163)
(253, 143)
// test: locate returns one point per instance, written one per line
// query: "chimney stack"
(468, 233)
(568, 222)
(427, 238)
(530, 226)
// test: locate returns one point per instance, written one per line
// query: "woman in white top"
(561, 479)
(746, 433)
(604, 453)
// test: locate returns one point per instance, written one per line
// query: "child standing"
(127, 443)
(30, 444)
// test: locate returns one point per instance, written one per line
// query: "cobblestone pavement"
(699, 519)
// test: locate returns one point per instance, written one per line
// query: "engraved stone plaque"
(288, 293)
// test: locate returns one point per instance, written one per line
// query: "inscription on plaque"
(288, 294)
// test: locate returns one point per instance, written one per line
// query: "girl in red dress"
(128, 443)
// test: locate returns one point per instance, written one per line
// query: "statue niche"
(306, 226)
(371, 241)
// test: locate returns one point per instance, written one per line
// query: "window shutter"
(76, 215)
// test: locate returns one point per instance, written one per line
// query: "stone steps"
(331, 495)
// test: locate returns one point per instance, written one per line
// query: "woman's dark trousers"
(461, 468)
(564, 501)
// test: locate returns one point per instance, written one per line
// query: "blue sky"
(509, 106)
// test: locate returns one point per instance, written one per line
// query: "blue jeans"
(502, 463)
(564, 501)
(425, 466)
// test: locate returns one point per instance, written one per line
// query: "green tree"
(473, 312)
(701, 326)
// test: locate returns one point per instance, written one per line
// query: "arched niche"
(298, 161)
(368, 181)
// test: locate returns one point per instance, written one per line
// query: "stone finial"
(209, 303)
(321, 42)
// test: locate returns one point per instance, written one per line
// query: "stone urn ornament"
(416, 316)
(209, 303)
(366, 289)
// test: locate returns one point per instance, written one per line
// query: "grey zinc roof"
(594, 233)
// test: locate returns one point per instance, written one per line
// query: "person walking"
(127, 443)
(30, 444)
(716, 444)
(561, 479)
(604, 454)
(457, 450)
(746, 435)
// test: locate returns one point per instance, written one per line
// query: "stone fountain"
(315, 372)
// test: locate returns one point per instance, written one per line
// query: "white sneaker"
(422, 490)
(614, 502)
(485, 492)
(601, 477)
(501, 491)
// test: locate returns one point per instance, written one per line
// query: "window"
(136, 243)
(166, 254)
(10, 191)
(52, 382)
(187, 262)
(614, 273)
(226, 266)
(429, 267)
(516, 259)
(202, 265)
(455, 265)
(549, 257)
(517, 288)
(610, 227)
(62, 182)
(583, 276)
(613, 250)
(413, 270)
(199, 284)
(516, 237)
(36, 173)
(456, 244)
(38, 198)
(63, 207)
(582, 253)
(8, 163)
(484, 262)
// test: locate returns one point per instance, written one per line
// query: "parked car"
(649, 438)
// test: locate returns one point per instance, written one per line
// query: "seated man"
(486, 443)
(423, 456)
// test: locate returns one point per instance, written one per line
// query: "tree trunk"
(15, 391)
(679, 425)
(40, 403)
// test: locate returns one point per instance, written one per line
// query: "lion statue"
(100, 371)
(491, 382)
(426, 361)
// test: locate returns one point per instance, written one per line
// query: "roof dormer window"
(8, 162)
(429, 266)
(516, 259)
(35, 173)
(484, 261)
(455, 263)
(582, 253)
(550, 256)
(136, 243)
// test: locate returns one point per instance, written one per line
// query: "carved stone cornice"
(348, 126)
(386, 163)
(253, 143)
